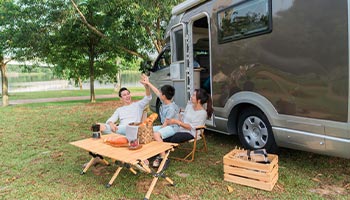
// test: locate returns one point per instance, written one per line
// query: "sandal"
(157, 161)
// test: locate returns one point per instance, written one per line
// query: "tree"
(147, 16)
(15, 37)
(82, 39)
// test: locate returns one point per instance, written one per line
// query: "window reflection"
(244, 20)
(178, 45)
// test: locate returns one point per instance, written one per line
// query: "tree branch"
(97, 32)
(5, 63)
(83, 19)
(154, 41)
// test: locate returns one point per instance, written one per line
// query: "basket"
(145, 134)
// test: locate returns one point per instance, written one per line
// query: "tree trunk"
(92, 79)
(118, 75)
(119, 81)
(80, 83)
(4, 83)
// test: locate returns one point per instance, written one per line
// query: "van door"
(198, 42)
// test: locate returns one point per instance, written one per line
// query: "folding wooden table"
(129, 159)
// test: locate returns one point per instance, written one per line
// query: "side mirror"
(146, 67)
(149, 66)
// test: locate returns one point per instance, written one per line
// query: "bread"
(149, 121)
(120, 140)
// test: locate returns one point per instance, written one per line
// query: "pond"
(29, 82)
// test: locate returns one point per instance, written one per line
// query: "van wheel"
(255, 132)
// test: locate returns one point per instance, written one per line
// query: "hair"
(121, 90)
(168, 91)
(203, 98)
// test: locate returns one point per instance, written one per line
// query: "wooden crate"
(244, 172)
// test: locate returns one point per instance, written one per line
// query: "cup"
(131, 131)
(96, 131)
(134, 143)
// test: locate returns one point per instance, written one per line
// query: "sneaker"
(157, 161)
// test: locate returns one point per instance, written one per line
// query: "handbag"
(145, 134)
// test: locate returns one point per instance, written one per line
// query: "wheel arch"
(244, 100)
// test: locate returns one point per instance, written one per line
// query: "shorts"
(165, 132)
(121, 129)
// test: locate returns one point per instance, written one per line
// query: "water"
(30, 82)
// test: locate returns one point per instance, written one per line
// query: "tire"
(255, 132)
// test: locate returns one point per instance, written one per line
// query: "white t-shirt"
(130, 113)
(194, 118)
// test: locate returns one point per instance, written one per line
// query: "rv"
(277, 71)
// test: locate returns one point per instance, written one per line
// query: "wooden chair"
(193, 143)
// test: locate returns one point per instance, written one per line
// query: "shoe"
(146, 162)
(157, 161)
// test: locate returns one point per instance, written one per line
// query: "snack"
(121, 140)
(149, 121)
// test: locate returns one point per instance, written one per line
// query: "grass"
(37, 162)
(65, 93)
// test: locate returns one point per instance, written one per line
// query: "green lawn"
(65, 93)
(37, 162)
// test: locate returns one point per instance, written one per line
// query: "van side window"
(243, 20)
(163, 60)
(178, 45)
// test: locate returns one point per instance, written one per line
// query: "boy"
(168, 110)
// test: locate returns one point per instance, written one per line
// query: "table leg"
(156, 176)
(92, 161)
(114, 177)
(101, 157)
(88, 166)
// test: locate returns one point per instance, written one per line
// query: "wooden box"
(258, 175)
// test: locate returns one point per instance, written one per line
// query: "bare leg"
(158, 137)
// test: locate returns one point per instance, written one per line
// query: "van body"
(277, 71)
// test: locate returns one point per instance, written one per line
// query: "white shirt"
(194, 118)
(130, 113)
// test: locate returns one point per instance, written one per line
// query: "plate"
(119, 145)
(135, 148)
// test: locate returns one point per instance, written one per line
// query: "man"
(128, 113)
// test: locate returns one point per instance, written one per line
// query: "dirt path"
(60, 99)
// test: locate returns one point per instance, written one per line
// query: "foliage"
(54, 32)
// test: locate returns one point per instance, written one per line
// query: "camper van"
(277, 71)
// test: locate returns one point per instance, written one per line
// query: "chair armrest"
(200, 127)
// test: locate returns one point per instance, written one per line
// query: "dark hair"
(121, 90)
(203, 98)
(168, 91)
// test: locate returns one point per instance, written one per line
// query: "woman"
(195, 115)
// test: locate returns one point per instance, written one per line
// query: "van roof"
(186, 5)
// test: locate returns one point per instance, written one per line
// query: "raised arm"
(145, 81)
(142, 81)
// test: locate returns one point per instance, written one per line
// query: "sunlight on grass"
(67, 93)
(39, 163)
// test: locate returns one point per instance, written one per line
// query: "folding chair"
(199, 136)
